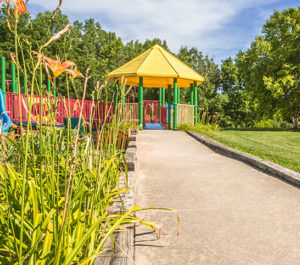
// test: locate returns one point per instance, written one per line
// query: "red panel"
(151, 112)
(90, 109)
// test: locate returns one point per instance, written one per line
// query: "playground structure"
(155, 68)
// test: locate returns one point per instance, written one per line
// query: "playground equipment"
(5, 121)
(157, 68)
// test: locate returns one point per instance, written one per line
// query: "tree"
(238, 108)
(209, 96)
(270, 69)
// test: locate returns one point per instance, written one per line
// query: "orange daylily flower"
(20, 7)
(74, 73)
(57, 67)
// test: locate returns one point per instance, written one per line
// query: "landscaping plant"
(57, 186)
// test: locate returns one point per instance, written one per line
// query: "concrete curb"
(273, 168)
(123, 252)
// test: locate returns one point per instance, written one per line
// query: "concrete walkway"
(230, 212)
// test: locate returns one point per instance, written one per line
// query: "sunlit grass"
(281, 147)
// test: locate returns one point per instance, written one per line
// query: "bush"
(272, 123)
(199, 127)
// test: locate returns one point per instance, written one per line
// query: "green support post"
(164, 96)
(141, 103)
(159, 104)
(123, 99)
(13, 78)
(54, 90)
(49, 85)
(115, 96)
(192, 94)
(175, 105)
(195, 103)
(178, 95)
(3, 77)
(169, 106)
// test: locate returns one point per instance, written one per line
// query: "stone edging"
(273, 168)
(123, 252)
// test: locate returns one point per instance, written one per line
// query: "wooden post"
(13, 78)
(195, 103)
(141, 102)
(169, 106)
(175, 105)
(3, 77)
(159, 104)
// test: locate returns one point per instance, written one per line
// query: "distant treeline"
(260, 87)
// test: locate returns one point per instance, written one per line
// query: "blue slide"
(5, 120)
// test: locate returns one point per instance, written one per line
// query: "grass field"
(281, 147)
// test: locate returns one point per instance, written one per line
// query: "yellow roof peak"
(158, 67)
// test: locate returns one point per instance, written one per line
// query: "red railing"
(151, 112)
(91, 110)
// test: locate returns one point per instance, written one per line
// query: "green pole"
(160, 103)
(54, 90)
(175, 105)
(141, 102)
(13, 78)
(123, 100)
(164, 97)
(178, 96)
(115, 96)
(3, 77)
(192, 94)
(49, 85)
(169, 106)
(25, 85)
(195, 103)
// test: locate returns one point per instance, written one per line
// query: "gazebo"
(157, 68)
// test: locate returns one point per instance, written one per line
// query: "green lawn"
(281, 147)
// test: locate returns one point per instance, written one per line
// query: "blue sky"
(219, 28)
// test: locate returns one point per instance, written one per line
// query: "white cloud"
(180, 22)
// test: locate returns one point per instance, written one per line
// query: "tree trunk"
(295, 122)
(294, 113)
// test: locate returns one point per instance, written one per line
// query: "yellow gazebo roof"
(158, 68)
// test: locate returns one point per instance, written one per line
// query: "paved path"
(230, 212)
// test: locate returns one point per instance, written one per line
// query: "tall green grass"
(57, 186)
